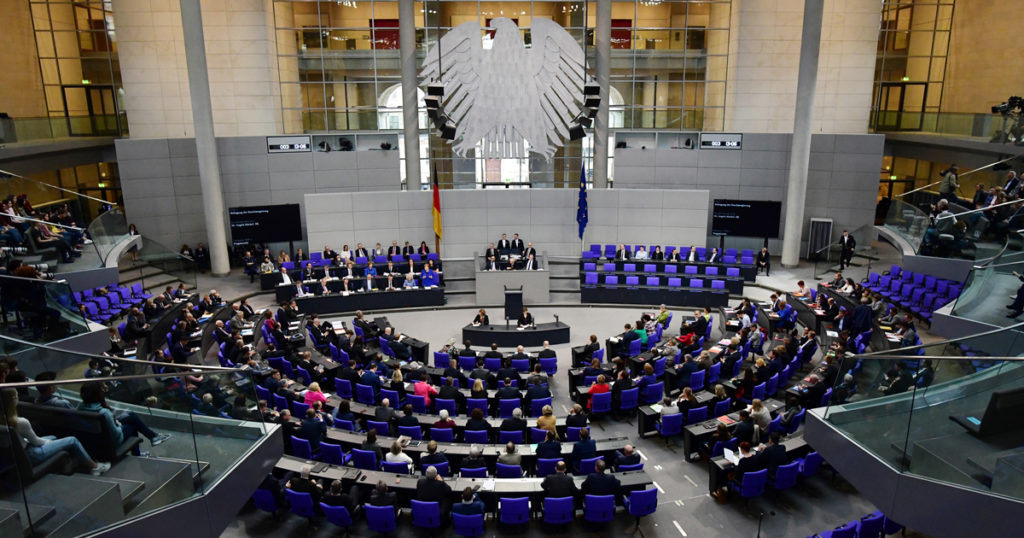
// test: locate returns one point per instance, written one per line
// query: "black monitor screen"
(265, 224)
(746, 218)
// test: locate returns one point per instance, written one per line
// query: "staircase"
(565, 279)
(459, 282)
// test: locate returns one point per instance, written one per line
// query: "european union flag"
(581, 207)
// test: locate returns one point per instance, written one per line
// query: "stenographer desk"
(512, 336)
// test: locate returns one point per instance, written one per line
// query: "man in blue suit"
(584, 449)
(370, 378)
(599, 483)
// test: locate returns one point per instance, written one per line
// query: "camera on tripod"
(1011, 104)
(1012, 111)
(14, 251)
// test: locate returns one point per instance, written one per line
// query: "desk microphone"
(556, 318)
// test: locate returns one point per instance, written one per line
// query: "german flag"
(437, 207)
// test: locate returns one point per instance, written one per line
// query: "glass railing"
(106, 231)
(908, 221)
(37, 310)
(984, 126)
(20, 130)
(176, 435)
(168, 262)
(947, 411)
(989, 290)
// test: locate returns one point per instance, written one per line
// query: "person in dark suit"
(492, 264)
(517, 245)
(673, 256)
(432, 488)
(313, 429)
(744, 430)
(449, 392)
(559, 484)
(304, 484)
(550, 448)
(477, 422)
(764, 261)
(503, 244)
(508, 392)
(475, 459)
(576, 418)
(529, 251)
(628, 456)
(452, 371)
(491, 252)
(525, 319)
(583, 449)
(587, 353)
(407, 418)
(531, 263)
(371, 378)
(433, 456)
(481, 318)
(394, 249)
(698, 326)
(408, 250)
(847, 244)
(514, 423)
(483, 374)
(369, 328)
(600, 483)
(627, 336)
(471, 504)
(536, 392)
(774, 454)
(493, 353)
(360, 252)
(546, 352)
(507, 372)
(622, 253)
(623, 382)
(382, 497)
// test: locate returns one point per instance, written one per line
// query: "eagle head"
(506, 29)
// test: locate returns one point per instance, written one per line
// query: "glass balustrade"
(204, 421)
(37, 310)
(947, 411)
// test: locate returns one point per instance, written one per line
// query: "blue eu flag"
(581, 208)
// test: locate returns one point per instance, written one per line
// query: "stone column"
(603, 44)
(410, 112)
(800, 151)
(206, 142)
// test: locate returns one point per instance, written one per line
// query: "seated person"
(304, 484)
(481, 318)
(433, 488)
(470, 504)
(801, 290)
(641, 253)
(39, 449)
(526, 319)
(764, 261)
(429, 277)
(601, 483)
(125, 424)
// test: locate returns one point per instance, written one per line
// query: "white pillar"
(410, 112)
(603, 44)
(800, 151)
(206, 143)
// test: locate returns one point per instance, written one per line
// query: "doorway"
(900, 106)
(90, 110)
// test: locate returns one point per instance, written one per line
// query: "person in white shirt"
(397, 456)
(744, 319)
(693, 254)
(345, 253)
(285, 279)
(641, 253)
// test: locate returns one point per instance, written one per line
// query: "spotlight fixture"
(448, 130)
(435, 89)
(576, 132)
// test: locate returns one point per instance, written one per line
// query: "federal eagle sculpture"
(510, 95)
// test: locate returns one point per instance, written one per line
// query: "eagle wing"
(460, 73)
(557, 65)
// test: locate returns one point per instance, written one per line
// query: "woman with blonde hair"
(760, 414)
(314, 394)
(547, 420)
(39, 449)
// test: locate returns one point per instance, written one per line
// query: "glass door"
(900, 106)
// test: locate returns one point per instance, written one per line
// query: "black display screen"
(746, 218)
(265, 224)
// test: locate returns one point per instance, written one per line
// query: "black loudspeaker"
(591, 88)
(435, 89)
(448, 131)
(592, 101)
(432, 101)
(576, 132)
(585, 121)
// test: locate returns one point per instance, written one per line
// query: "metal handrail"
(119, 359)
(960, 175)
(874, 354)
(955, 215)
(26, 384)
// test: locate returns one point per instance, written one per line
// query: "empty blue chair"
(364, 459)
(572, 434)
(338, 515)
(492, 363)
(343, 388)
(608, 267)
(711, 270)
(632, 281)
(380, 519)
(732, 271)
(397, 467)
(522, 365)
(331, 453)
(301, 504)
(641, 503)
(264, 500)
(514, 511)
(752, 484)
(772, 385)
(413, 432)
(634, 347)
(693, 416)
(675, 282)
(634, 467)
(476, 472)
(629, 399)
(690, 270)
(507, 406)
(280, 402)
(871, 525)
(299, 409)
(587, 466)
(441, 435)
(697, 380)
(537, 406)
(509, 471)
(670, 425)
(696, 283)
(513, 436)
(601, 403)
(364, 394)
(442, 468)
(346, 425)
(611, 280)
(468, 525)
(559, 510)
(426, 515)
(476, 436)
(654, 392)
(418, 403)
(713, 373)
(448, 405)
(809, 464)
(549, 365)
(653, 282)
(718, 284)
(467, 363)
(476, 403)
(599, 355)
(671, 268)
(590, 279)
(441, 359)
(537, 435)
(383, 428)
(599, 508)
(629, 267)
(301, 448)
(785, 478)
(546, 466)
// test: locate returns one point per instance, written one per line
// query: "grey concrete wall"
(842, 182)
(950, 268)
(160, 180)
(474, 218)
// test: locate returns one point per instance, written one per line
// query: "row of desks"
(269, 281)
(748, 272)
(490, 489)
(653, 296)
(372, 300)
(720, 468)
